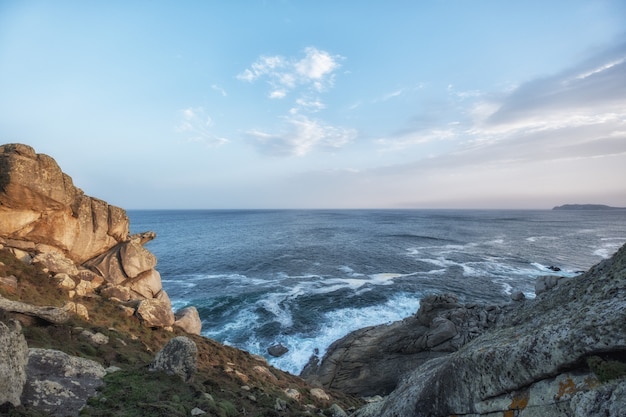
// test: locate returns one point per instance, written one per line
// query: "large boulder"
(536, 362)
(178, 357)
(13, 359)
(188, 320)
(60, 384)
(39, 203)
(155, 313)
(372, 360)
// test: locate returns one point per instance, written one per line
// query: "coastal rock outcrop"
(372, 360)
(83, 242)
(552, 356)
(39, 203)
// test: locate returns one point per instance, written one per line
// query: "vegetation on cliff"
(228, 381)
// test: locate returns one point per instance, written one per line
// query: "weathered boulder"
(533, 363)
(58, 383)
(188, 319)
(277, 350)
(155, 313)
(13, 359)
(372, 360)
(178, 357)
(50, 314)
(55, 262)
(123, 262)
(39, 203)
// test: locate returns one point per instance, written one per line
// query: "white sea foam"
(337, 324)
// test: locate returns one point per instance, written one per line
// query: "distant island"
(587, 207)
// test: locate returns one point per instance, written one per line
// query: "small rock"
(277, 350)
(518, 296)
(292, 393)
(196, 412)
(336, 411)
(280, 405)
(320, 394)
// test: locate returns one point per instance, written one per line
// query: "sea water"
(305, 278)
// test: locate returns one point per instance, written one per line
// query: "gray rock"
(518, 366)
(372, 360)
(60, 384)
(13, 359)
(277, 350)
(178, 357)
(50, 314)
(518, 296)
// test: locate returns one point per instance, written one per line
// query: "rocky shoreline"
(560, 354)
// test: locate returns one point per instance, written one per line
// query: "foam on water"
(336, 325)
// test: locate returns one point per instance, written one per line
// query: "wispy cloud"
(219, 90)
(301, 135)
(314, 71)
(196, 125)
(578, 113)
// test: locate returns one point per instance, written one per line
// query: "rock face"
(370, 361)
(83, 242)
(13, 359)
(178, 357)
(60, 384)
(536, 362)
(39, 203)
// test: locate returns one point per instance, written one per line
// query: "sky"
(322, 104)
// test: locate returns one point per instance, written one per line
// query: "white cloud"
(302, 135)
(314, 71)
(219, 90)
(195, 125)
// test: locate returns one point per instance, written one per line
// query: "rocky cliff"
(83, 242)
(40, 204)
(560, 354)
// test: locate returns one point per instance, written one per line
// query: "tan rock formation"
(39, 203)
(188, 319)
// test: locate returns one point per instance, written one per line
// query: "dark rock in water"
(277, 350)
(554, 268)
(518, 296)
(533, 362)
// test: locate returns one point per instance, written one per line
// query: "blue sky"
(322, 104)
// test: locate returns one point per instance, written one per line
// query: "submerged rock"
(277, 350)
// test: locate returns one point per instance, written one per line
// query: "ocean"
(305, 278)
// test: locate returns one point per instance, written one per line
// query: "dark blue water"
(306, 278)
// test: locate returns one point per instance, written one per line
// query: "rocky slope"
(560, 354)
(86, 327)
